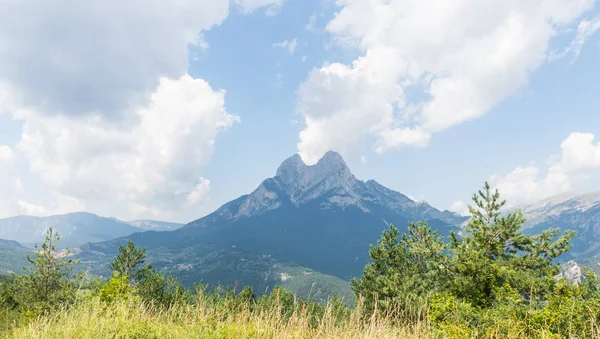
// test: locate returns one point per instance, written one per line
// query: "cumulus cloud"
(249, 6)
(461, 58)
(9, 182)
(60, 205)
(7, 155)
(288, 45)
(459, 207)
(150, 165)
(97, 57)
(579, 157)
(111, 121)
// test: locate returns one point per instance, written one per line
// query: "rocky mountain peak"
(293, 166)
(330, 172)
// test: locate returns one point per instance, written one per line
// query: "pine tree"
(127, 261)
(492, 259)
(495, 254)
(403, 269)
(45, 285)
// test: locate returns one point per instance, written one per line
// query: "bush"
(117, 288)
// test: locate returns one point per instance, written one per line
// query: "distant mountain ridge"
(570, 211)
(317, 217)
(14, 257)
(10, 243)
(74, 229)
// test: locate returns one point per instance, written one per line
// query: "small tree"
(403, 269)
(127, 261)
(148, 283)
(495, 254)
(45, 285)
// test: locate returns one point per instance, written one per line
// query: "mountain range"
(570, 211)
(307, 228)
(306, 225)
(75, 229)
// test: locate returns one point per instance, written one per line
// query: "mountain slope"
(10, 243)
(74, 229)
(318, 217)
(570, 211)
(14, 257)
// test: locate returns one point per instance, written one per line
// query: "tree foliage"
(128, 260)
(46, 285)
(491, 263)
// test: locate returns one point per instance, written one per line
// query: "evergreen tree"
(495, 254)
(127, 261)
(402, 270)
(491, 259)
(45, 285)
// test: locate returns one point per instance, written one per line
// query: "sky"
(168, 109)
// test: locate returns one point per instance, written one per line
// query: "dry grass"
(133, 319)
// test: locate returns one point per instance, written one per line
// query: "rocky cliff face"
(571, 271)
(330, 182)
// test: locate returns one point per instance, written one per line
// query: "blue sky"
(102, 111)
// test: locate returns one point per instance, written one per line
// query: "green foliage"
(403, 271)
(493, 280)
(495, 252)
(161, 289)
(127, 261)
(246, 296)
(117, 288)
(45, 286)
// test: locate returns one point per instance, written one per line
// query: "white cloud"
(7, 155)
(311, 25)
(585, 30)
(249, 6)
(32, 209)
(459, 207)
(200, 192)
(10, 184)
(579, 153)
(150, 165)
(97, 57)
(289, 45)
(461, 57)
(526, 185)
(579, 156)
(111, 121)
(60, 205)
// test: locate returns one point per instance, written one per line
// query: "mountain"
(153, 225)
(319, 219)
(74, 229)
(570, 211)
(10, 243)
(14, 257)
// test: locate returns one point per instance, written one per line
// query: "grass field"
(132, 319)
